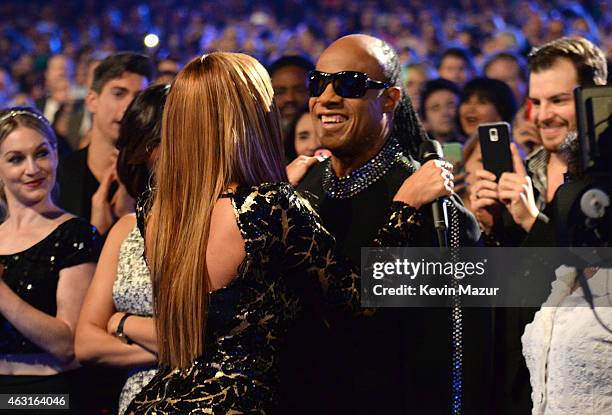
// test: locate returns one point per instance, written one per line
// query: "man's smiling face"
(552, 96)
(348, 125)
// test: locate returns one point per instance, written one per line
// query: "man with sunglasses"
(374, 365)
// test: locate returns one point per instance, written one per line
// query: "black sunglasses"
(347, 84)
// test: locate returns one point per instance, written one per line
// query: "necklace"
(364, 176)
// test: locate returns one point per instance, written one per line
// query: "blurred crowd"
(87, 31)
(97, 92)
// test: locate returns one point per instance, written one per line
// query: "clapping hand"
(105, 213)
(122, 203)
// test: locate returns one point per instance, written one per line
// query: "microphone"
(432, 150)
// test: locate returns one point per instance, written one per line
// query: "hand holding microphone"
(433, 180)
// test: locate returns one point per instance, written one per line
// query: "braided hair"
(407, 127)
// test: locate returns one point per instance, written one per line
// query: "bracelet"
(119, 332)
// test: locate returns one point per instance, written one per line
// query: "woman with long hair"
(47, 259)
(234, 251)
(116, 327)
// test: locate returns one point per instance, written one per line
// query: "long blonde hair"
(220, 126)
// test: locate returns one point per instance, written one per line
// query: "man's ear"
(391, 98)
(91, 101)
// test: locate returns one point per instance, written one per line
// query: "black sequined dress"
(289, 260)
(33, 274)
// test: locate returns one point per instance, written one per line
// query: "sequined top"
(366, 175)
(33, 274)
(133, 293)
(289, 259)
(132, 290)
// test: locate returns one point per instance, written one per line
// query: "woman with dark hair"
(47, 258)
(116, 327)
(301, 139)
(235, 253)
(485, 100)
(139, 137)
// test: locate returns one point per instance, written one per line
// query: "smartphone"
(495, 146)
(453, 153)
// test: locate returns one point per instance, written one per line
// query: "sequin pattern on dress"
(33, 274)
(287, 251)
(133, 293)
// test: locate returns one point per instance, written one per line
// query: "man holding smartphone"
(556, 69)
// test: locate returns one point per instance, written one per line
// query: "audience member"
(289, 79)
(485, 100)
(87, 178)
(166, 70)
(456, 65)
(116, 326)
(414, 76)
(556, 68)
(302, 139)
(47, 259)
(58, 85)
(511, 69)
(439, 109)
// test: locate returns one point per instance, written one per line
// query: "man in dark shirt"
(399, 360)
(531, 198)
(91, 171)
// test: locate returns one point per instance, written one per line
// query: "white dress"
(133, 293)
(568, 353)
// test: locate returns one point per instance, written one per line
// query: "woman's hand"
(113, 323)
(297, 169)
(484, 202)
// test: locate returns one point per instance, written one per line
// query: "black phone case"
(495, 146)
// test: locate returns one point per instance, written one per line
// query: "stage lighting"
(151, 40)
